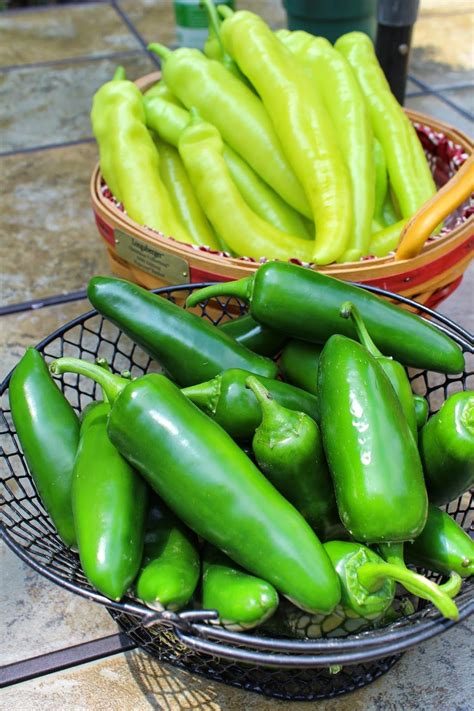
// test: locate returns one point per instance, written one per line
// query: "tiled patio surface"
(51, 61)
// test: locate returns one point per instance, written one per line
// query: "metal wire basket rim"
(365, 646)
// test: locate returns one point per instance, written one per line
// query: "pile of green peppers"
(217, 484)
(302, 142)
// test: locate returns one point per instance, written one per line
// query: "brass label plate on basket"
(169, 267)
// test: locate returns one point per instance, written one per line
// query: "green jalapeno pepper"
(299, 364)
(182, 196)
(368, 582)
(377, 473)
(305, 304)
(422, 410)
(48, 430)
(236, 112)
(391, 212)
(206, 479)
(242, 600)
(253, 336)
(169, 122)
(189, 348)
(289, 451)
(170, 566)
(129, 160)
(442, 546)
(202, 150)
(228, 401)
(393, 370)
(338, 89)
(409, 173)
(303, 126)
(447, 448)
(109, 505)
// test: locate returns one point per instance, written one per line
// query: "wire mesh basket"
(268, 660)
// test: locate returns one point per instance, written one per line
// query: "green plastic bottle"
(192, 22)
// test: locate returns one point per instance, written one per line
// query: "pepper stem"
(103, 363)
(119, 74)
(224, 11)
(204, 395)
(213, 20)
(260, 392)
(372, 574)
(242, 289)
(453, 585)
(160, 50)
(112, 385)
(350, 311)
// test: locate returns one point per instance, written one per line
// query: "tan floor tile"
(442, 49)
(39, 36)
(445, 7)
(27, 328)
(49, 241)
(435, 674)
(56, 101)
(37, 616)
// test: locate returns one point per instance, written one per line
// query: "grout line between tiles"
(65, 658)
(71, 60)
(47, 147)
(125, 18)
(441, 97)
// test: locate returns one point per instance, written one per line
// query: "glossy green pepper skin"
(171, 565)
(206, 479)
(189, 348)
(48, 430)
(289, 451)
(305, 304)
(422, 410)
(253, 336)
(442, 546)
(373, 457)
(299, 364)
(447, 448)
(394, 371)
(242, 600)
(109, 501)
(229, 402)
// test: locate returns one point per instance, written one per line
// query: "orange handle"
(432, 213)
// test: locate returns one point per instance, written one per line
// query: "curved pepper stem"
(119, 74)
(103, 363)
(160, 50)
(350, 311)
(224, 11)
(261, 393)
(453, 585)
(214, 21)
(112, 385)
(242, 289)
(372, 575)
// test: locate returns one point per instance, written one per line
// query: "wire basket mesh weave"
(277, 665)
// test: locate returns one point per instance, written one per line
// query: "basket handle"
(425, 220)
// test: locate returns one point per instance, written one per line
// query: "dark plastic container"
(332, 18)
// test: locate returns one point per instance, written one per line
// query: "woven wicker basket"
(147, 257)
